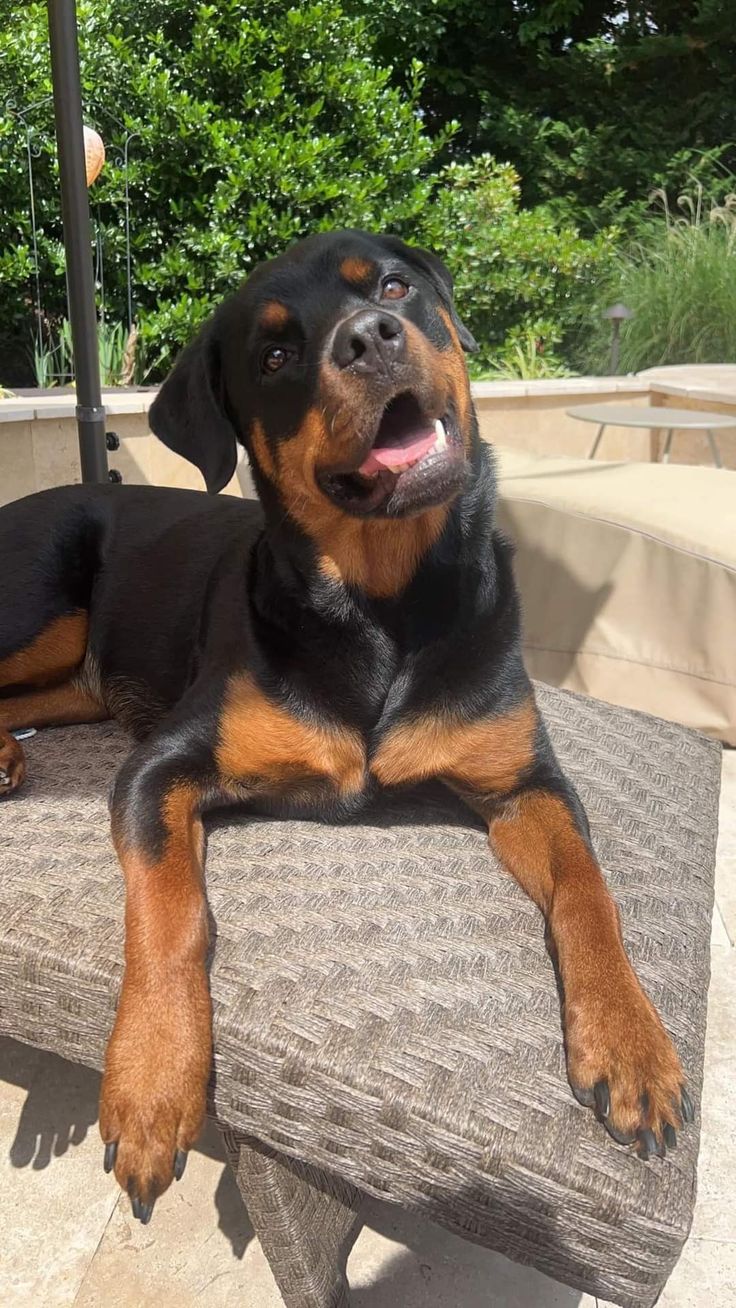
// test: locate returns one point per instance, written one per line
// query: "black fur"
(184, 589)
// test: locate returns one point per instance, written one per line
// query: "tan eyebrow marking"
(357, 271)
(274, 315)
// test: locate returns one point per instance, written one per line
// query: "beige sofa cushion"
(628, 579)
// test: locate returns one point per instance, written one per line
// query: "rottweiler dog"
(357, 630)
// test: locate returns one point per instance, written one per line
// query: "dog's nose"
(369, 341)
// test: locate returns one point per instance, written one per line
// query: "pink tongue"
(395, 456)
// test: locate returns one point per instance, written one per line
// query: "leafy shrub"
(251, 126)
(520, 274)
(526, 356)
(679, 279)
(591, 100)
(53, 355)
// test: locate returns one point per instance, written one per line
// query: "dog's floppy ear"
(431, 264)
(189, 413)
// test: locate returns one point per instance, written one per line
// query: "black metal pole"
(77, 236)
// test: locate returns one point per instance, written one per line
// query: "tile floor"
(68, 1238)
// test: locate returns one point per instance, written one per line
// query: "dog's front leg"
(620, 1059)
(158, 1058)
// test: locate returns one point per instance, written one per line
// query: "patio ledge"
(715, 384)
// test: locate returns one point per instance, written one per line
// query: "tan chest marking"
(261, 739)
(486, 756)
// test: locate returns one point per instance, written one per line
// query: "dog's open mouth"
(405, 435)
(414, 461)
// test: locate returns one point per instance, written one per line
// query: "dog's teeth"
(441, 442)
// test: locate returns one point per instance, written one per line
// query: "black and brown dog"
(360, 630)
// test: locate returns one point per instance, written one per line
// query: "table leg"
(305, 1219)
(667, 446)
(714, 449)
(597, 441)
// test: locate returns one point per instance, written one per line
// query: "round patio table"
(669, 420)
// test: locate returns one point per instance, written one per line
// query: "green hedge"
(525, 280)
(253, 126)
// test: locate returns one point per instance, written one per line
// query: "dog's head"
(339, 366)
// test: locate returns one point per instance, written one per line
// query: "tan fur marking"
(262, 740)
(274, 316)
(536, 839)
(56, 707)
(162, 893)
(453, 364)
(380, 556)
(357, 271)
(160, 1051)
(261, 450)
(612, 1030)
(12, 764)
(489, 756)
(51, 657)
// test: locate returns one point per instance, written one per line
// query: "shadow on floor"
(60, 1104)
(436, 1268)
(59, 1110)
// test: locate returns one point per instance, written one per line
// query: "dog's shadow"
(60, 1104)
(60, 1109)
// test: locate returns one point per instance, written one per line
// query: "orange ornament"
(94, 154)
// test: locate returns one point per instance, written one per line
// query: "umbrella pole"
(77, 237)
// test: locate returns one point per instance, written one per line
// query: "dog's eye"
(273, 358)
(394, 288)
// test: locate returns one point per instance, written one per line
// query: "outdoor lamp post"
(73, 173)
(618, 313)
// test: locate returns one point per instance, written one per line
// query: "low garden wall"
(38, 434)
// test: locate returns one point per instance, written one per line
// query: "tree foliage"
(520, 138)
(593, 101)
(249, 128)
(523, 278)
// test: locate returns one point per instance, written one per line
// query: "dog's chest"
(262, 745)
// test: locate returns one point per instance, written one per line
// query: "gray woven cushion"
(385, 1007)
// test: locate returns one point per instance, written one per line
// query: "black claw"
(136, 1204)
(686, 1107)
(145, 1211)
(670, 1136)
(619, 1136)
(111, 1150)
(180, 1162)
(647, 1144)
(583, 1095)
(602, 1098)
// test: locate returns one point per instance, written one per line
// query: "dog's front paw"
(12, 764)
(622, 1063)
(153, 1097)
